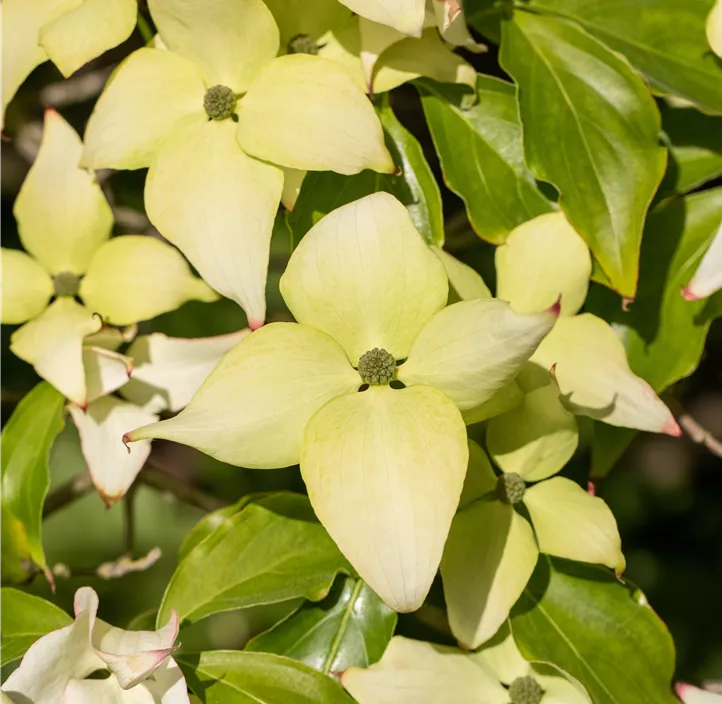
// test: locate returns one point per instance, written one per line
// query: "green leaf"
(270, 551)
(350, 627)
(482, 157)
(25, 448)
(426, 209)
(591, 128)
(664, 334)
(414, 186)
(211, 521)
(664, 39)
(695, 154)
(235, 677)
(25, 618)
(570, 613)
(16, 564)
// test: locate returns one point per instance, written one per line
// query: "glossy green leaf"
(414, 185)
(210, 522)
(235, 677)
(270, 551)
(25, 618)
(571, 613)
(664, 39)
(482, 157)
(664, 334)
(350, 627)
(569, 84)
(25, 447)
(426, 210)
(695, 151)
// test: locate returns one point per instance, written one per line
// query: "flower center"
(302, 44)
(377, 367)
(510, 489)
(219, 102)
(525, 690)
(66, 284)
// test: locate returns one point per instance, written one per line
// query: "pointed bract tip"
(82, 405)
(126, 441)
(689, 295)
(399, 172)
(591, 488)
(626, 303)
(671, 427)
(553, 370)
(47, 112)
(556, 308)
(682, 689)
(110, 500)
(255, 324)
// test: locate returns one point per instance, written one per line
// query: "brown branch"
(77, 487)
(694, 431)
(186, 493)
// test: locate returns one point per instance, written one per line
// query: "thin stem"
(144, 28)
(694, 431)
(186, 493)
(77, 487)
(129, 521)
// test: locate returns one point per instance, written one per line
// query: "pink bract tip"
(671, 427)
(689, 295)
(49, 111)
(682, 689)
(556, 308)
(126, 441)
(591, 488)
(626, 302)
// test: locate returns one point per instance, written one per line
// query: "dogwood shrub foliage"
(447, 436)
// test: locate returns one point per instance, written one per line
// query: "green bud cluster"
(219, 102)
(302, 44)
(510, 488)
(377, 367)
(66, 284)
(525, 690)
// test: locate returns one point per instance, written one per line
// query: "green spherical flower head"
(525, 690)
(219, 102)
(66, 284)
(377, 367)
(302, 44)
(510, 488)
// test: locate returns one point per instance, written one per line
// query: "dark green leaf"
(591, 128)
(425, 208)
(350, 627)
(235, 677)
(695, 154)
(481, 155)
(485, 17)
(25, 618)
(26, 442)
(664, 39)
(581, 619)
(664, 334)
(414, 186)
(270, 551)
